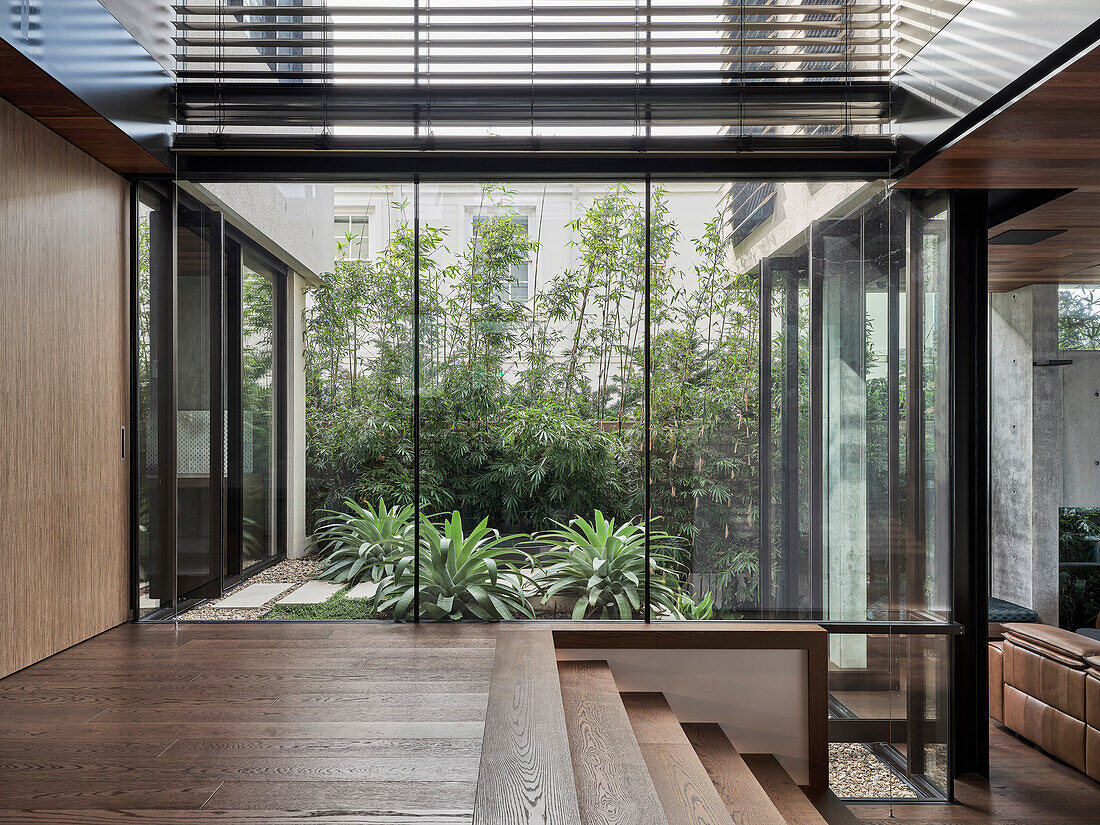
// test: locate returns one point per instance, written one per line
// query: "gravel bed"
(294, 571)
(856, 773)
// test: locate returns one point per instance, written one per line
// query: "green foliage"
(1079, 318)
(700, 610)
(356, 545)
(532, 412)
(604, 567)
(461, 576)
(1078, 587)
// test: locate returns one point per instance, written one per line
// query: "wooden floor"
(376, 723)
(1025, 787)
(242, 724)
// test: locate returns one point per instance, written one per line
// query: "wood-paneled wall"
(64, 562)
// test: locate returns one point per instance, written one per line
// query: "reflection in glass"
(153, 249)
(257, 411)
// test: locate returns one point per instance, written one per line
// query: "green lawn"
(336, 607)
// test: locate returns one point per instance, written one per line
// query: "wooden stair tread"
(526, 773)
(613, 781)
(747, 802)
(687, 794)
(788, 797)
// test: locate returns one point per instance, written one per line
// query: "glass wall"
(550, 399)
(531, 396)
(359, 362)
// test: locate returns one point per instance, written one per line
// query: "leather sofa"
(1045, 686)
(1092, 717)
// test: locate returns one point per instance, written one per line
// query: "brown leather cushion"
(1094, 665)
(1053, 731)
(1092, 752)
(1060, 643)
(1045, 678)
(996, 681)
(1092, 700)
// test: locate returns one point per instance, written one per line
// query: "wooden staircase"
(563, 746)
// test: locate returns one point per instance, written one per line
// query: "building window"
(352, 237)
(518, 289)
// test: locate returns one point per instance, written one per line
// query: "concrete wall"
(296, 418)
(293, 221)
(1081, 445)
(1025, 448)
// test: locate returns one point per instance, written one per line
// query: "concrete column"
(296, 418)
(1025, 448)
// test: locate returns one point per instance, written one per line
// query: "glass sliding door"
(199, 407)
(154, 493)
(210, 360)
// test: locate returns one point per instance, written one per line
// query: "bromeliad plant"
(461, 576)
(603, 565)
(361, 544)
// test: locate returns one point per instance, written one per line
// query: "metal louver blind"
(537, 68)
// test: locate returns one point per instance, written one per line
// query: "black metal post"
(815, 553)
(234, 495)
(969, 438)
(416, 398)
(282, 420)
(647, 447)
(216, 262)
(765, 442)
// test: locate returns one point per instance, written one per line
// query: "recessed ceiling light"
(1024, 237)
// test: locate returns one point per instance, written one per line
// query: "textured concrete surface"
(1081, 446)
(1025, 449)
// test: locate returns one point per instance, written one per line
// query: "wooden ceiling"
(1047, 139)
(1072, 257)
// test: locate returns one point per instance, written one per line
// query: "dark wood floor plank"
(304, 747)
(209, 816)
(686, 792)
(745, 799)
(613, 782)
(788, 797)
(526, 775)
(29, 792)
(426, 725)
(174, 766)
(450, 797)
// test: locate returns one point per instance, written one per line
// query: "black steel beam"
(81, 46)
(969, 365)
(332, 166)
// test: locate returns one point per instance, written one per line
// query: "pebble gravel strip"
(856, 773)
(295, 571)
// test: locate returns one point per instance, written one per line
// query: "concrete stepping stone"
(253, 595)
(313, 592)
(363, 590)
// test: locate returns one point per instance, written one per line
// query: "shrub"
(461, 576)
(688, 608)
(604, 567)
(358, 544)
